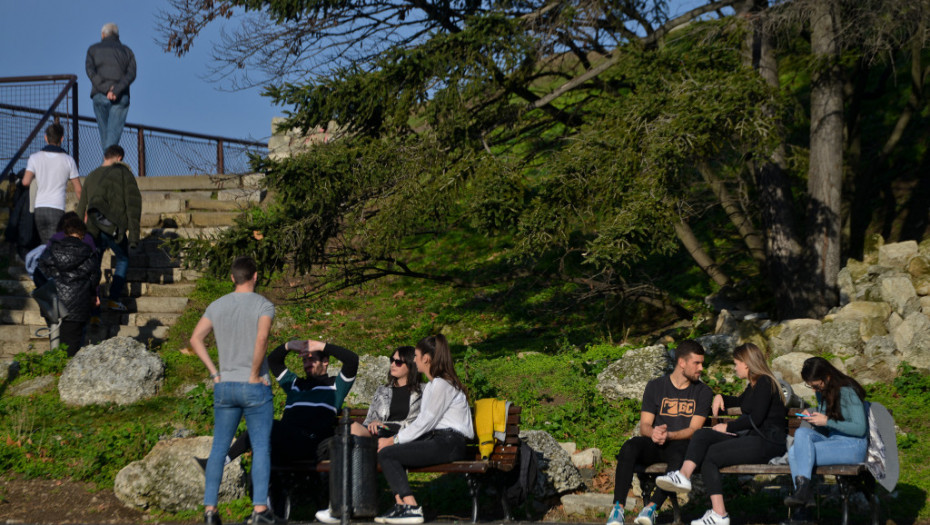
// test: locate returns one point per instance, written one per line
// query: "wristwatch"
(214, 375)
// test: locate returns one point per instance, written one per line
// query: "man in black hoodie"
(111, 67)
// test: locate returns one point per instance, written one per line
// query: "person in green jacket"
(839, 431)
(111, 205)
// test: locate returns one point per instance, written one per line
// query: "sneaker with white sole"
(647, 516)
(408, 515)
(712, 518)
(325, 516)
(616, 515)
(674, 482)
(395, 510)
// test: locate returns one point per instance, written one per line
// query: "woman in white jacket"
(438, 435)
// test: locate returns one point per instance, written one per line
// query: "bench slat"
(761, 469)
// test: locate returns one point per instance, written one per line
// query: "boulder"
(919, 266)
(717, 347)
(924, 247)
(169, 479)
(789, 366)
(372, 373)
(906, 332)
(922, 286)
(569, 447)
(846, 285)
(858, 310)
(626, 378)
(9, 369)
(917, 353)
(857, 270)
(119, 370)
(783, 336)
(36, 385)
(837, 338)
(897, 255)
(557, 474)
(880, 346)
(898, 290)
(587, 458)
(868, 370)
(873, 243)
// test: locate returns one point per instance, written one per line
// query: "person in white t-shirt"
(51, 168)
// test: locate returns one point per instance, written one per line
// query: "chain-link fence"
(150, 151)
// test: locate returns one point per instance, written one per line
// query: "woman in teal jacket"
(839, 430)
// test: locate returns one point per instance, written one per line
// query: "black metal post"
(345, 425)
(75, 127)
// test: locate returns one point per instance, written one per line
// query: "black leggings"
(288, 443)
(711, 450)
(437, 447)
(641, 450)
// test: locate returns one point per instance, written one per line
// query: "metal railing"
(151, 150)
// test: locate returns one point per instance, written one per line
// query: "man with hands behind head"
(313, 402)
(674, 407)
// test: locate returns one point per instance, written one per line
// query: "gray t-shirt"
(235, 326)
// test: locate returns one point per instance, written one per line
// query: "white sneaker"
(674, 482)
(616, 515)
(324, 516)
(712, 518)
(647, 516)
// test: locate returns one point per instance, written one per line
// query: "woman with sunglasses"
(438, 435)
(393, 406)
(396, 404)
(839, 430)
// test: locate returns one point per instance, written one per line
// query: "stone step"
(212, 204)
(16, 286)
(162, 275)
(18, 332)
(196, 182)
(137, 289)
(11, 305)
(15, 339)
(193, 219)
(183, 233)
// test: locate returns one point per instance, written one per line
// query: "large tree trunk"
(825, 175)
(783, 251)
(696, 251)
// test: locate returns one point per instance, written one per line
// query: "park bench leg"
(474, 488)
(846, 490)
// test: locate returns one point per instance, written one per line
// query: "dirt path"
(60, 501)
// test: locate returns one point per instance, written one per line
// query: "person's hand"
(721, 427)
(660, 434)
(298, 345)
(373, 427)
(717, 405)
(216, 378)
(384, 442)
(257, 379)
(111, 96)
(817, 419)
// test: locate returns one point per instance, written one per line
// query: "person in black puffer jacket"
(76, 270)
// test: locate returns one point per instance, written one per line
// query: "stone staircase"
(157, 285)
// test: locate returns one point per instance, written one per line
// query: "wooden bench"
(849, 478)
(478, 472)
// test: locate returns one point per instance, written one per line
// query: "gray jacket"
(381, 406)
(109, 63)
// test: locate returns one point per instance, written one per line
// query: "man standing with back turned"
(51, 168)
(111, 67)
(674, 406)
(111, 205)
(241, 323)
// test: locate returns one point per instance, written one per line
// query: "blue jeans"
(231, 401)
(811, 448)
(120, 267)
(111, 116)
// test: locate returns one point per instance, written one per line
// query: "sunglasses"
(398, 362)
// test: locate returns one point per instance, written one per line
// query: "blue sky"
(50, 37)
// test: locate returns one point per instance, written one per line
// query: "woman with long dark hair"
(397, 403)
(438, 435)
(756, 436)
(839, 427)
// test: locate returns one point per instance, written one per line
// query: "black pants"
(712, 450)
(641, 450)
(437, 447)
(71, 333)
(288, 443)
